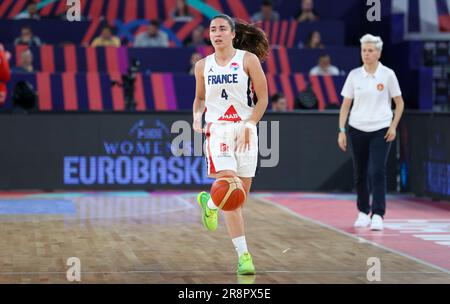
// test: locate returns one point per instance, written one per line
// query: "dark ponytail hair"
(248, 37)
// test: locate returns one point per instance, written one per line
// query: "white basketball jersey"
(229, 93)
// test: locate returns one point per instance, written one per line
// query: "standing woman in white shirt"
(372, 128)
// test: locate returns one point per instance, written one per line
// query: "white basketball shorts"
(220, 145)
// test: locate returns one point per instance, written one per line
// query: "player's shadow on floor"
(246, 279)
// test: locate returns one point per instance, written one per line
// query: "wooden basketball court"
(140, 237)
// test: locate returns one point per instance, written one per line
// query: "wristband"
(342, 130)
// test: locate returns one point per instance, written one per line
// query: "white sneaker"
(362, 221)
(377, 223)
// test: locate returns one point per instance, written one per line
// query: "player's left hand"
(243, 141)
(390, 134)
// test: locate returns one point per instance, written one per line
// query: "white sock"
(211, 204)
(240, 244)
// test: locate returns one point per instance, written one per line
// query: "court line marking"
(355, 237)
(416, 221)
(185, 201)
(378, 235)
(216, 271)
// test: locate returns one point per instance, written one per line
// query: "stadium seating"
(127, 10)
(70, 58)
(66, 61)
(93, 91)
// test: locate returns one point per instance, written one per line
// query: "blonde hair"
(368, 38)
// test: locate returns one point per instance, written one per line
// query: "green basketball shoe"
(209, 216)
(245, 265)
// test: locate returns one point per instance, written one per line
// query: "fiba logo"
(157, 133)
(74, 10)
(234, 66)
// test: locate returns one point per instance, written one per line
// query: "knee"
(360, 177)
(377, 172)
(224, 173)
(378, 175)
(360, 171)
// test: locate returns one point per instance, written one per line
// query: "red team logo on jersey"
(230, 115)
(234, 66)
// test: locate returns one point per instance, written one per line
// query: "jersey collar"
(376, 74)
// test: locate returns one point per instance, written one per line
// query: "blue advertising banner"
(159, 151)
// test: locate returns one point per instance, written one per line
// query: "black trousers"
(370, 153)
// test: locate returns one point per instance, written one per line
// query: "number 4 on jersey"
(224, 94)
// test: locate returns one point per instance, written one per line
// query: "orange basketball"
(228, 193)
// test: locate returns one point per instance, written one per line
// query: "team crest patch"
(224, 149)
(380, 87)
(234, 66)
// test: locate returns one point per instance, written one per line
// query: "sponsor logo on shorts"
(224, 150)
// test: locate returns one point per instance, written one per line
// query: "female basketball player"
(226, 84)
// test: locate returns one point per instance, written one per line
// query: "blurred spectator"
(278, 103)
(194, 58)
(314, 41)
(266, 14)
(307, 12)
(153, 37)
(197, 38)
(307, 99)
(106, 38)
(31, 13)
(324, 67)
(27, 37)
(5, 73)
(181, 11)
(25, 63)
(24, 97)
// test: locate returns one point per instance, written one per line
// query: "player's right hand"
(197, 126)
(342, 141)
